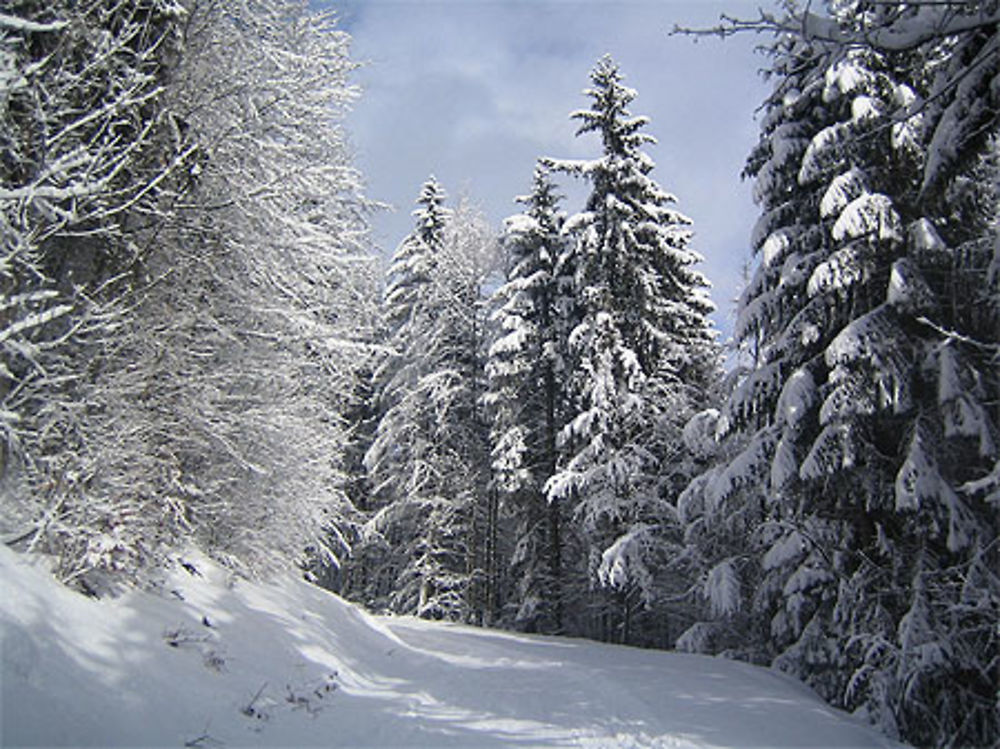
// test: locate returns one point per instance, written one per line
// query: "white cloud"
(474, 92)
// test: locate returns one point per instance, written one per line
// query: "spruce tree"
(864, 440)
(526, 401)
(641, 348)
(420, 549)
(397, 461)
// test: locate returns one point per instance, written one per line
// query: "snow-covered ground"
(212, 661)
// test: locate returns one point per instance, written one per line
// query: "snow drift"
(210, 661)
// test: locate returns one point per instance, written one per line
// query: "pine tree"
(420, 549)
(526, 399)
(867, 445)
(642, 347)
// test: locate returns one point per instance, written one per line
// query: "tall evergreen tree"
(527, 401)
(420, 550)
(399, 462)
(471, 258)
(642, 346)
(868, 434)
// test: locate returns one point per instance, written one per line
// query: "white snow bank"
(214, 662)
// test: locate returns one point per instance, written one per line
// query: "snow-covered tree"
(951, 44)
(399, 461)
(258, 301)
(866, 431)
(641, 349)
(471, 260)
(209, 412)
(526, 398)
(85, 151)
(419, 549)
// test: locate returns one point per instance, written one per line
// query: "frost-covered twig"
(956, 336)
(16, 23)
(897, 35)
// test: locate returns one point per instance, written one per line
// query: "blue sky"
(474, 91)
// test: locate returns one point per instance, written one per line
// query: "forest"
(534, 426)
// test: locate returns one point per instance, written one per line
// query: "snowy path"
(562, 692)
(214, 663)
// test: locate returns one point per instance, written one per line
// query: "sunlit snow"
(212, 661)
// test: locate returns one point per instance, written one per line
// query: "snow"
(845, 77)
(919, 483)
(904, 33)
(843, 189)
(925, 239)
(777, 245)
(865, 108)
(789, 547)
(826, 147)
(744, 469)
(805, 578)
(908, 291)
(784, 467)
(871, 214)
(214, 661)
(797, 397)
(21, 24)
(701, 432)
(722, 589)
(624, 562)
(831, 452)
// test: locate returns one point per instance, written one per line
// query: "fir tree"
(526, 400)
(397, 461)
(419, 551)
(868, 446)
(641, 346)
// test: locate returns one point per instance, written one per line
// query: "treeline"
(830, 506)
(532, 428)
(526, 444)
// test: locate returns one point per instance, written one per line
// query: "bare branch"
(896, 35)
(23, 24)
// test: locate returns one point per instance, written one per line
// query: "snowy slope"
(215, 662)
